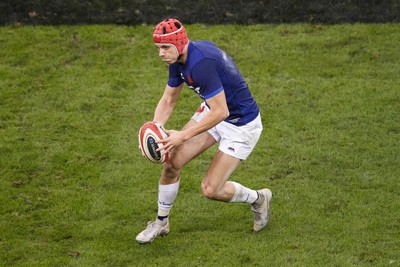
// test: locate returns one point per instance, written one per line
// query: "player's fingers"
(166, 148)
(168, 131)
(161, 148)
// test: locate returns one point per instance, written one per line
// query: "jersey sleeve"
(205, 75)
(174, 78)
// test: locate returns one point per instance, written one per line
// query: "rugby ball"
(149, 134)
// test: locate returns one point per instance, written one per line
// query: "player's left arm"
(218, 112)
(206, 75)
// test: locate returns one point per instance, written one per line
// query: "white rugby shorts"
(237, 141)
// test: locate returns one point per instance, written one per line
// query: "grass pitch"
(75, 190)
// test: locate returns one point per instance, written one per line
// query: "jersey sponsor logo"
(189, 81)
(196, 90)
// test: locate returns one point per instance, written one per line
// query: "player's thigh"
(191, 148)
(220, 169)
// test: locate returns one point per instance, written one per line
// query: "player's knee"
(171, 169)
(209, 191)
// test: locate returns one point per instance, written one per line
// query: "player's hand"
(174, 139)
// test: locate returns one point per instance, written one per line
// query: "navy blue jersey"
(207, 71)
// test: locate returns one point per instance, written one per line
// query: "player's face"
(167, 53)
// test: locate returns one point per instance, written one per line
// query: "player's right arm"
(167, 103)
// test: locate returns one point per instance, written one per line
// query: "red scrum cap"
(171, 31)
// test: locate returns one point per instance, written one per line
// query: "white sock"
(243, 194)
(166, 197)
